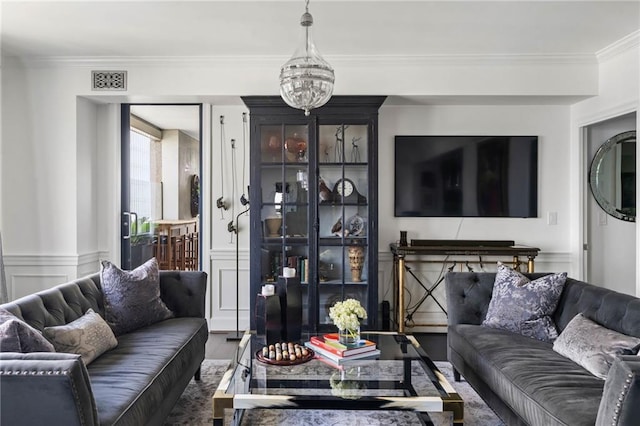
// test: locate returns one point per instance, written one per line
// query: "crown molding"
(335, 60)
(631, 41)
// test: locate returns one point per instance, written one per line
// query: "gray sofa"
(136, 383)
(522, 379)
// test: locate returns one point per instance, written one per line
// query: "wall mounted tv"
(466, 176)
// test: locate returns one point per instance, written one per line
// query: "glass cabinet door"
(343, 211)
(284, 206)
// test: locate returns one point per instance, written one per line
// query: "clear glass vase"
(348, 336)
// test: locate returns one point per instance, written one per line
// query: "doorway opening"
(610, 256)
(161, 157)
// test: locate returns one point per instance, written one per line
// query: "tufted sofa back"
(61, 304)
(469, 293)
(182, 291)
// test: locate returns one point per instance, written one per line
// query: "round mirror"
(612, 176)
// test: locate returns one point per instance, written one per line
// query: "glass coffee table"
(402, 377)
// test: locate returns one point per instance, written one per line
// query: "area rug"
(194, 407)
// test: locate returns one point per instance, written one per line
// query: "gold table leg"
(401, 294)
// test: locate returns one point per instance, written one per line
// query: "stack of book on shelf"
(328, 347)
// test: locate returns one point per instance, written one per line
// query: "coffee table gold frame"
(223, 399)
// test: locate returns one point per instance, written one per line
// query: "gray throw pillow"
(132, 298)
(593, 346)
(524, 306)
(18, 336)
(89, 336)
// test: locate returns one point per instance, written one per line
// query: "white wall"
(222, 246)
(40, 138)
(86, 211)
(549, 123)
(189, 164)
(170, 174)
(180, 160)
(619, 81)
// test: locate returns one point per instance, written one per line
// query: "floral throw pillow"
(132, 298)
(523, 306)
(593, 346)
(90, 336)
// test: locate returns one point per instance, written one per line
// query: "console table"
(454, 252)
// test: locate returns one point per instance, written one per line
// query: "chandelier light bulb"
(306, 80)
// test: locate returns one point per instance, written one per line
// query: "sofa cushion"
(524, 306)
(147, 365)
(18, 336)
(89, 336)
(593, 346)
(132, 298)
(542, 386)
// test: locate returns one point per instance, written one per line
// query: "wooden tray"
(302, 360)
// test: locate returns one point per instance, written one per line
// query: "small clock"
(345, 190)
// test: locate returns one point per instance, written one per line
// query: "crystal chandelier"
(306, 80)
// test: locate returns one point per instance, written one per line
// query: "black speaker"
(289, 292)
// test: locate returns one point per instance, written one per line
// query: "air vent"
(109, 80)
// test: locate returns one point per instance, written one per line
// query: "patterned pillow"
(89, 336)
(132, 298)
(593, 346)
(524, 306)
(18, 336)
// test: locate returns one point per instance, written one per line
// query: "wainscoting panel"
(222, 294)
(21, 285)
(27, 274)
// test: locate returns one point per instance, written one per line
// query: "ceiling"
(211, 28)
(171, 117)
(342, 29)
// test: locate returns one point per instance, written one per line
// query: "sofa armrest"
(184, 292)
(45, 388)
(620, 403)
(468, 296)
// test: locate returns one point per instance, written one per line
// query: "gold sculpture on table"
(356, 262)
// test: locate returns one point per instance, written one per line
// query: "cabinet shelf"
(335, 283)
(285, 240)
(338, 204)
(340, 165)
(346, 128)
(347, 241)
(277, 164)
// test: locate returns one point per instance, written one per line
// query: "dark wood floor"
(435, 344)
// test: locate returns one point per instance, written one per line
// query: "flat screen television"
(466, 176)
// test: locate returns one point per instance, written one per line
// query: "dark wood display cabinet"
(314, 202)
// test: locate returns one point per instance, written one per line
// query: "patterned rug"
(194, 407)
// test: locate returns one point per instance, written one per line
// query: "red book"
(341, 350)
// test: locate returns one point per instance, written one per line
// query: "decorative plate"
(262, 359)
(355, 225)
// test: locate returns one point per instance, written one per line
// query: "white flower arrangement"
(348, 314)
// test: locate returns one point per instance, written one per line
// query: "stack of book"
(330, 348)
